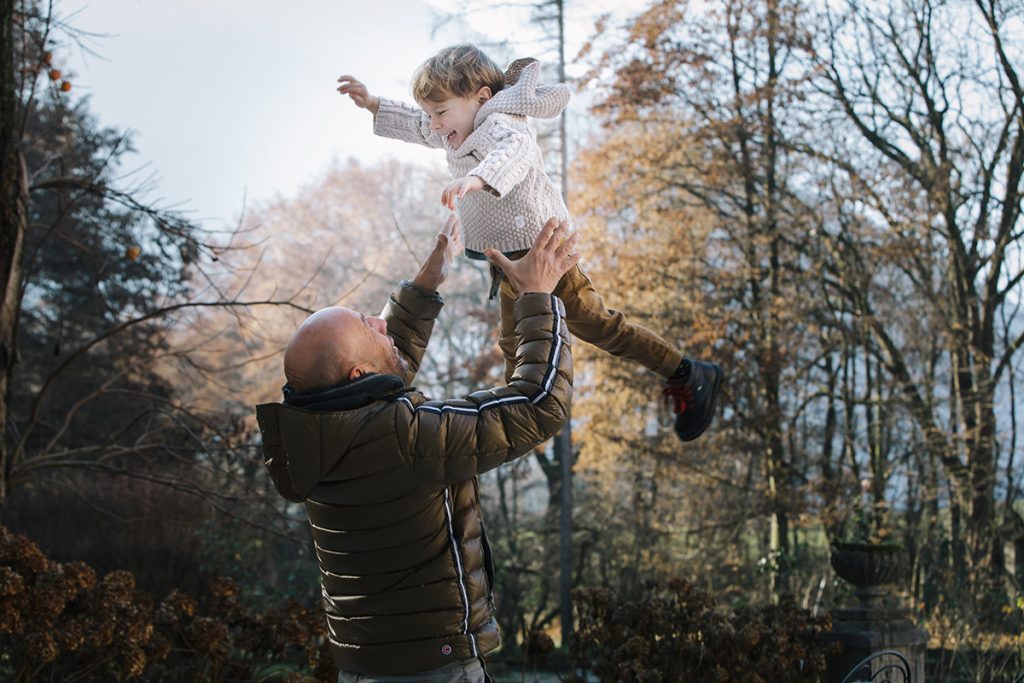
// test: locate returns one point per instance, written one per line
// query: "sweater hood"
(296, 432)
(523, 96)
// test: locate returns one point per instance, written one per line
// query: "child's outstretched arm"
(391, 119)
(360, 95)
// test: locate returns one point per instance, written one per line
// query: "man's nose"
(378, 324)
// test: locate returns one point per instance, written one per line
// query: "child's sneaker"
(693, 395)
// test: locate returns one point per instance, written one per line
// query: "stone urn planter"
(872, 626)
(869, 567)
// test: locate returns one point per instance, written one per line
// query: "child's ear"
(484, 94)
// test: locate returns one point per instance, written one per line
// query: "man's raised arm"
(411, 311)
(453, 440)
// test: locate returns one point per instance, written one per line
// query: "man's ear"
(484, 94)
(356, 373)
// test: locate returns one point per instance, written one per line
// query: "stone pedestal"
(873, 625)
(864, 631)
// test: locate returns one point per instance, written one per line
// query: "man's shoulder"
(414, 401)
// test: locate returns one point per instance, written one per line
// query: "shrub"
(59, 622)
(677, 633)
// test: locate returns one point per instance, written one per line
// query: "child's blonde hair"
(456, 71)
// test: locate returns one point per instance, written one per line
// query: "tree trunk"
(982, 534)
(563, 442)
(13, 222)
(779, 466)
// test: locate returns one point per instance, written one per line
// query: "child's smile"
(453, 118)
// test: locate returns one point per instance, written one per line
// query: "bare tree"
(932, 164)
(97, 277)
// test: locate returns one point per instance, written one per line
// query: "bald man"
(388, 477)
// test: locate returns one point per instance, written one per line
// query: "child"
(478, 115)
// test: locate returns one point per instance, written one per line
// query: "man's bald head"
(319, 354)
(336, 344)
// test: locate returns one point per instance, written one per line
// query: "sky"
(232, 102)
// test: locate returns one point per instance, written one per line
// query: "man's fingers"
(451, 225)
(454, 233)
(570, 242)
(497, 258)
(557, 237)
(544, 236)
(568, 246)
(442, 243)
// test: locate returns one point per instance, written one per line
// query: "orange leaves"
(44, 65)
(132, 252)
(59, 621)
(175, 607)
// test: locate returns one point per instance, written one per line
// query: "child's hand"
(459, 188)
(358, 92)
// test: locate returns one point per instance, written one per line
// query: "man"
(389, 478)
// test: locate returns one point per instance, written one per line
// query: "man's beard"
(395, 364)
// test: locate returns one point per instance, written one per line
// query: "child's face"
(453, 118)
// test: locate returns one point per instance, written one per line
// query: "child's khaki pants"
(588, 319)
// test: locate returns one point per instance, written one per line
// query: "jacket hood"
(524, 96)
(295, 432)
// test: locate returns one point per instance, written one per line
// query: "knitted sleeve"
(513, 148)
(401, 121)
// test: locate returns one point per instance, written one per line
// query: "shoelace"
(678, 391)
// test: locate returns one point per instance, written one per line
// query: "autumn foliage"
(676, 632)
(59, 621)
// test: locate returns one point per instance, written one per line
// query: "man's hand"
(551, 256)
(434, 270)
(459, 188)
(359, 94)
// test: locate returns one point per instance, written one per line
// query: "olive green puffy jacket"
(391, 492)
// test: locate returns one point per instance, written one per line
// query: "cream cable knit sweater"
(502, 151)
